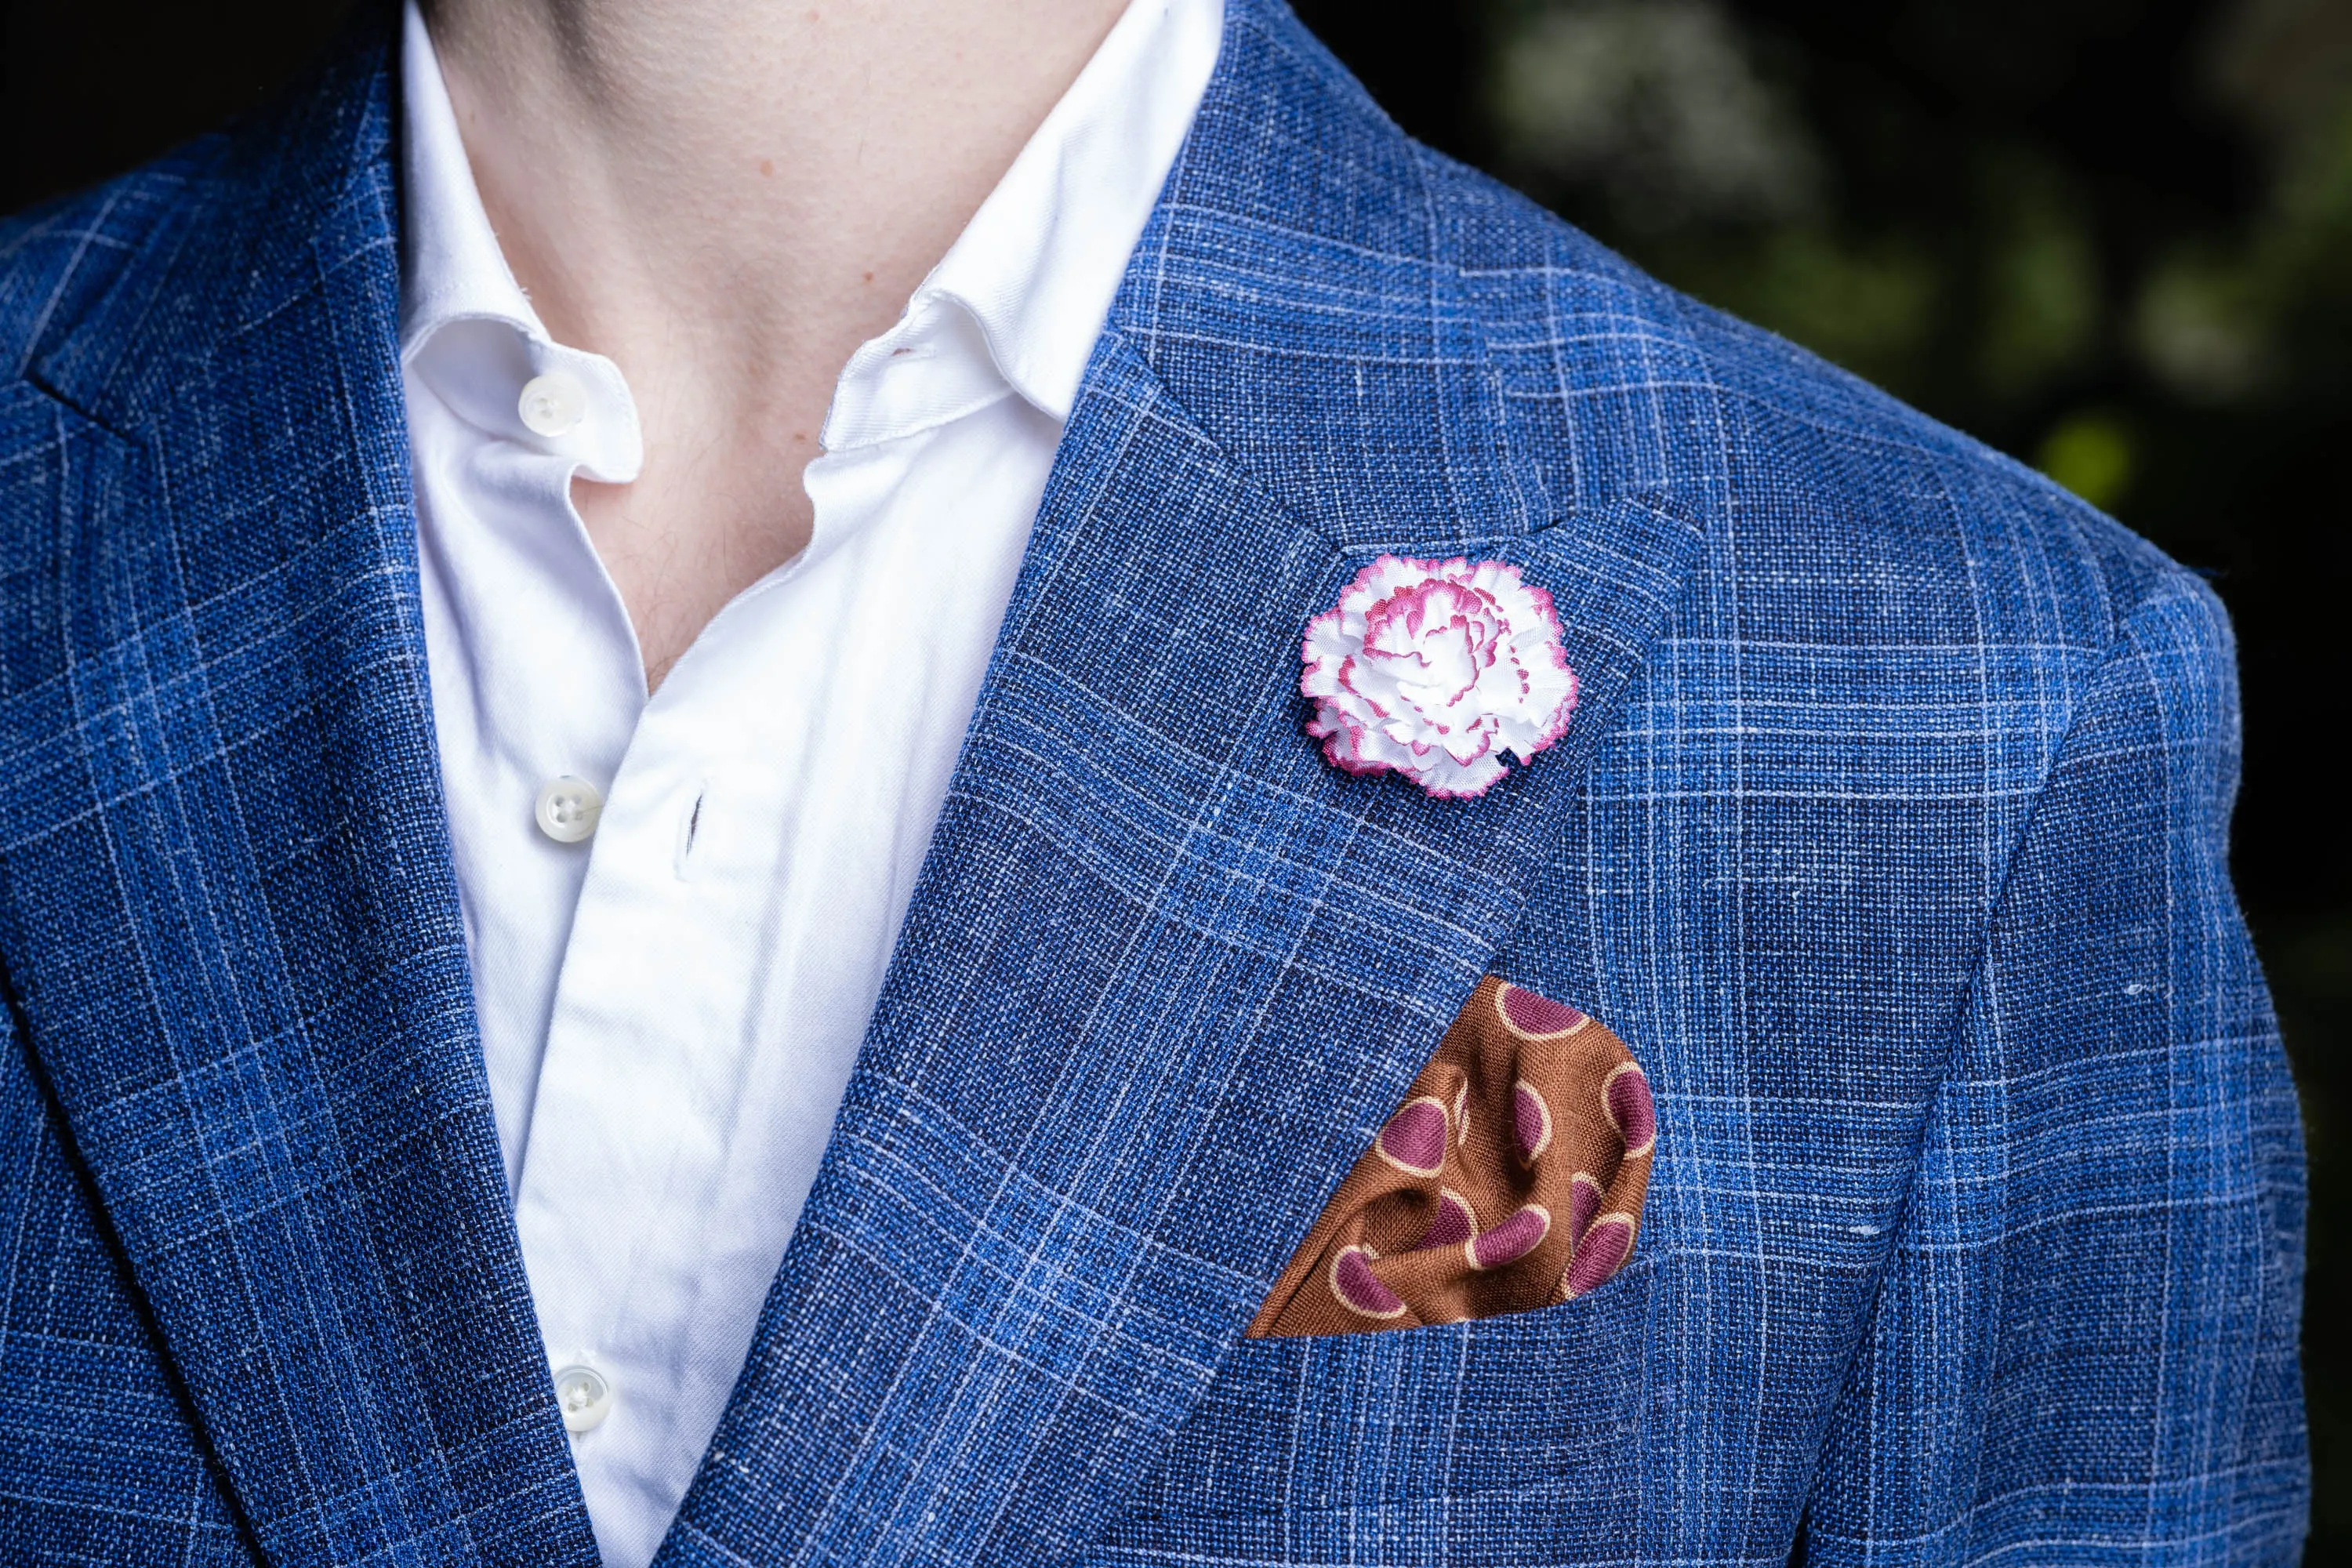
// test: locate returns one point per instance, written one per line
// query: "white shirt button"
(585, 1396)
(552, 404)
(568, 808)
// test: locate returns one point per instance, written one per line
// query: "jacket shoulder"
(1814, 465)
(82, 258)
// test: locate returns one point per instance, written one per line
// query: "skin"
(727, 197)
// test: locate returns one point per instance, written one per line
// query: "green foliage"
(2090, 454)
(2041, 303)
(1870, 305)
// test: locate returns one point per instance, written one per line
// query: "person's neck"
(727, 197)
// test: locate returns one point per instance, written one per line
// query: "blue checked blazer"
(1890, 833)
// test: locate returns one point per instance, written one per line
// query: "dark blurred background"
(2113, 237)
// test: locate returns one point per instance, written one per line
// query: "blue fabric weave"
(1891, 834)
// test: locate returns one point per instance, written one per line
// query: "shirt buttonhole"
(690, 827)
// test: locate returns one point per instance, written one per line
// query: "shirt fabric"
(670, 1007)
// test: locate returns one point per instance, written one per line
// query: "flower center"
(1438, 638)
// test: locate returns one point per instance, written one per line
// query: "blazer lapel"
(230, 926)
(1166, 971)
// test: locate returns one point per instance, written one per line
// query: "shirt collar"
(1032, 273)
(454, 270)
(1039, 264)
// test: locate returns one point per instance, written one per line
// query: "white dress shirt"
(679, 909)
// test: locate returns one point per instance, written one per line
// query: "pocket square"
(1511, 1178)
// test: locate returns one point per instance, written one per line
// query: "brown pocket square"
(1511, 1178)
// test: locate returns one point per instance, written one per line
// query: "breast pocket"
(1371, 1420)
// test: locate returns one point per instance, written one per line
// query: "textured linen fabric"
(668, 1010)
(1889, 834)
(1511, 1178)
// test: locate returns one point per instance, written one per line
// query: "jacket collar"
(1164, 972)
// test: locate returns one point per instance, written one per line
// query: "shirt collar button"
(552, 404)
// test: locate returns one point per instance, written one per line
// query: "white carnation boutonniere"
(1433, 669)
